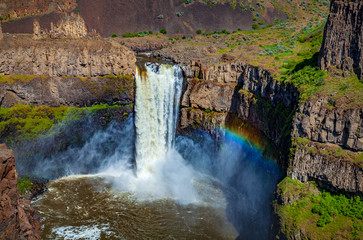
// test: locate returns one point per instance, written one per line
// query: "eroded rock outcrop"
(328, 165)
(328, 141)
(68, 91)
(70, 26)
(74, 58)
(316, 121)
(18, 220)
(343, 37)
(237, 88)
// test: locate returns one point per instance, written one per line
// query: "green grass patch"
(138, 34)
(27, 122)
(10, 79)
(319, 215)
(25, 184)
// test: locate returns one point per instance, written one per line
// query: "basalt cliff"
(18, 220)
(343, 37)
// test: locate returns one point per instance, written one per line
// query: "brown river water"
(86, 207)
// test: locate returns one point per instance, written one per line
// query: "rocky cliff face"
(213, 95)
(328, 165)
(343, 37)
(97, 58)
(17, 219)
(71, 26)
(327, 129)
(20, 8)
(68, 91)
(315, 121)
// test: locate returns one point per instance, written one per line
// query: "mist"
(234, 174)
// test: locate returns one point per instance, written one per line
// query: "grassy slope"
(28, 122)
(319, 215)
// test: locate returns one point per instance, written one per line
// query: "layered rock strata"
(68, 91)
(73, 58)
(343, 37)
(344, 127)
(70, 26)
(329, 166)
(18, 220)
(335, 142)
(213, 95)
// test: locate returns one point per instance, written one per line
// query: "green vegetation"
(321, 215)
(186, 2)
(255, 26)
(114, 35)
(27, 122)
(180, 14)
(138, 34)
(329, 206)
(163, 31)
(25, 184)
(10, 79)
(199, 31)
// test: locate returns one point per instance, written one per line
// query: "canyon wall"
(69, 58)
(67, 91)
(215, 95)
(343, 37)
(331, 157)
(13, 9)
(70, 26)
(329, 166)
(18, 220)
(316, 121)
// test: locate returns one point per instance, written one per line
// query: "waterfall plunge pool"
(153, 185)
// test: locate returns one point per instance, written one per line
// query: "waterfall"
(158, 90)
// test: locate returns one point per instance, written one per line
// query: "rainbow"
(255, 145)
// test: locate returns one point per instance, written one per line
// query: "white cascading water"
(158, 90)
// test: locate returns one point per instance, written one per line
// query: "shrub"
(180, 14)
(25, 184)
(186, 2)
(114, 35)
(261, 22)
(161, 16)
(163, 31)
(255, 26)
(199, 31)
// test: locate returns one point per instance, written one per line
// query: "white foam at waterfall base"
(161, 170)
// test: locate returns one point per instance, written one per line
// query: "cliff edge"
(343, 37)
(18, 220)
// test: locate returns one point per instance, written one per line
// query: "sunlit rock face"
(343, 37)
(18, 220)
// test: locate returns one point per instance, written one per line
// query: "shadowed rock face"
(343, 37)
(18, 220)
